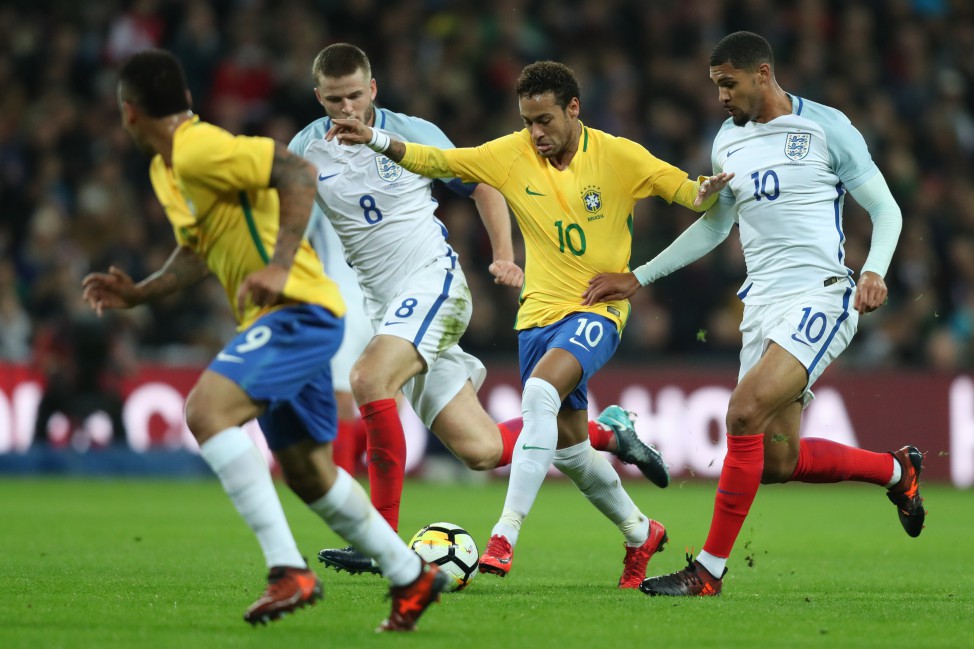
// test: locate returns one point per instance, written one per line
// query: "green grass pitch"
(149, 564)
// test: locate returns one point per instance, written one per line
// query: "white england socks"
(346, 509)
(595, 477)
(246, 478)
(533, 454)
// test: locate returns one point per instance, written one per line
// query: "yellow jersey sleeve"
(576, 222)
(216, 197)
(489, 163)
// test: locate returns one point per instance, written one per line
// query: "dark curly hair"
(155, 81)
(548, 76)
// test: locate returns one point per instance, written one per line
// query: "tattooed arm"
(294, 179)
(116, 290)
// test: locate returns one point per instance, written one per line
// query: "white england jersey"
(383, 214)
(791, 177)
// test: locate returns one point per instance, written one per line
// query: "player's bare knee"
(475, 455)
(479, 461)
(307, 485)
(369, 386)
(742, 419)
(201, 420)
(776, 472)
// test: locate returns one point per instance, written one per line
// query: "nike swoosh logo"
(323, 177)
(531, 192)
(799, 340)
(228, 358)
(392, 323)
(730, 153)
(572, 340)
(534, 448)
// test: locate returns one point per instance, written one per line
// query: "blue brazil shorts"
(589, 337)
(284, 359)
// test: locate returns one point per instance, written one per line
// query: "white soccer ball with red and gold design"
(451, 548)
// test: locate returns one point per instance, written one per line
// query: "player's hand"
(349, 131)
(507, 273)
(871, 293)
(264, 286)
(111, 290)
(606, 287)
(711, 186)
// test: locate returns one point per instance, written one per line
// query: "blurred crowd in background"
(75, 197)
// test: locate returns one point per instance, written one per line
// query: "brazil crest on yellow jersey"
(217, 199)
(576, 223)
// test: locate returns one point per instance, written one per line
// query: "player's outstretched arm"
(497, 220)
(294, 179)
(116, 290)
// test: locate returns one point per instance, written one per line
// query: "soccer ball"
(449, 547)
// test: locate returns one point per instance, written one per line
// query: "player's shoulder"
(815, 111)
(832, 121)
(198, 142)
(609, 147)
(312, 132)
(411, 128)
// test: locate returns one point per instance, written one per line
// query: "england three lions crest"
(389, 171)
(797, 145)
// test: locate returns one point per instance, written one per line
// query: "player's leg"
(819, 329)
(416, 326)
(814, 460)
(215, 410)
(472, 436)
(386, 364)
(599, 482)
(548, 374)
(256, 370)
(768, 388)
(341, 502)
(468, 431)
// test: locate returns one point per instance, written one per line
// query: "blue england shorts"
(589, 337)
(284, 359)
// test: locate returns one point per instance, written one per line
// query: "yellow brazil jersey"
(576, 223)
(217, 199)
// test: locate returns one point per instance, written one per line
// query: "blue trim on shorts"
(838, 323)
(744, 293)
(444, 294)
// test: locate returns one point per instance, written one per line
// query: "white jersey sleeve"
(791, 177)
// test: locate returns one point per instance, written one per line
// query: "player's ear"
(189, 99)
(373, 89)
(129, 112)
(574, 107)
